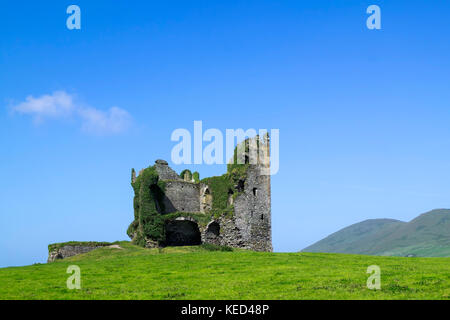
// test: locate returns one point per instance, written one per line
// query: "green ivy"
(220, 186)
(186, 172)
(148, 222)
(196, 177)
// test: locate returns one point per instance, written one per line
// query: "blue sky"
(363, 114)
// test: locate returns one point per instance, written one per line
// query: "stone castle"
(229, 210)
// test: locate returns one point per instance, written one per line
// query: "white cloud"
(60, 104)
(115, 120)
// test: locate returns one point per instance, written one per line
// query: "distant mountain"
(428, 235)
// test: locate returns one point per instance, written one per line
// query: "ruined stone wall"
(250, 225)
(252, 211)
(223, 231)
(181, 196)
(69, 251)
(165, 172)
(231, 210)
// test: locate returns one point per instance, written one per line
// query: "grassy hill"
(199, 273)
(426, 236)
(356, 238)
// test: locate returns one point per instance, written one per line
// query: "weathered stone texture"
(181, 196)
(165, 172)
(248, 227)
(69, 251)
(252, 211)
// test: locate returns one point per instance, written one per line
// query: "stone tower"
(230, 210)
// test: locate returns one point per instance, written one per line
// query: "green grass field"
(196, 273)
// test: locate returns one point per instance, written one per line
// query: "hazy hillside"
(355, 238)
(428, 235)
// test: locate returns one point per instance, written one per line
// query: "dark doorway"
(182, 233)
(213, 229)
(213, 233)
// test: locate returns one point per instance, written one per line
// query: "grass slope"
(195, 273)
(426, 236)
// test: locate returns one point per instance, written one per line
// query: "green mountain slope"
(355, 238)
(132, 272)
(426, 236)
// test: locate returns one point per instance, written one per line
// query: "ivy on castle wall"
(219, 187)
(196, 177)
(149, 220)
(222, 186)
(148, 194)
(187, 175)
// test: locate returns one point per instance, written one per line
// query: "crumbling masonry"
(229, 210)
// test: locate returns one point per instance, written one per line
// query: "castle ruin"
(233, 210)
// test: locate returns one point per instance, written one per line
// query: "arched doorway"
(182, 233)
(212, 234)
